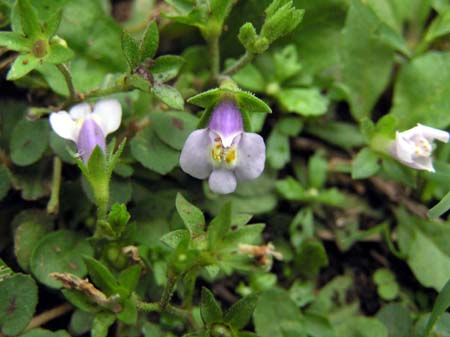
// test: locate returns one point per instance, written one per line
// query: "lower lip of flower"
(223, 156)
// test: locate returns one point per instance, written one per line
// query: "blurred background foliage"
(361, 256)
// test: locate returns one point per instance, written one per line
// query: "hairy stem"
(214, 55)
(168, 291)
(68, 78)
(53, 203)
(239, 64)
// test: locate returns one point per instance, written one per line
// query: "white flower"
(86, 127)
(223, 151)
(413, 147)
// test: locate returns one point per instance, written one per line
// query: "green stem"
(53, 203)
(147, 306)
(189, 286)
(97, 93)
(168, 291)
(68, 78)
(239, 64)
(101, 199)
(214, 54)
(180, 313)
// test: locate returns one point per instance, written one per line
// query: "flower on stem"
(86, 127)
(223, 151)
(413, 147)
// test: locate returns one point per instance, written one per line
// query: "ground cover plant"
(233, 168)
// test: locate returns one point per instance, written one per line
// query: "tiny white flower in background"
(223, 151)
(413, 147)
(88, 127)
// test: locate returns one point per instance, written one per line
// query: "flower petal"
(226, 121)
(423, 163)
(64, 126)
(194, 158)
(431, 133)
(222, 181)
(402, 149)
(80, 111)
(90, 136)
(251, 156)
(109, 112)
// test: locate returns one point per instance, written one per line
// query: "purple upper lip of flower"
(223, 151)
(226, 121)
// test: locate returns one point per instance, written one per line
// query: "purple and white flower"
(413, 147)
(86, 127)
(223, 151)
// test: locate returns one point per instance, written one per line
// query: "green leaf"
(14, 41)
(118, 218)
(441, 207)
(342, 134)
(240, 312)
(148, 149)
(421, 92)
(26, 237)
(281, 18)
(423, 241)
(5, 271)
(439, 27)
(5, 181)
(311, 257)
(440, 306)
(149, 44)
(286, 63)
(306, 102)
(281, 320)
(128, 314)
(361, 327)
(129, 278)
(397, 319)
(80, 300)
(290, 126)
(219, 226)
(172, 239)
(192, 216)
(278, 149)
(317, 170)
(29, 19)
(166, 67)
(250, 78)
(29, 141)
(249, 234)
(366, 61)
(80, 322)
(101, 276)
(130, 49)
(22, 65)
(365, 164)
(209, 308)
(101, 323)
(245, 100)
(58, 54)
(60, 251)
(173, 127)
(18, 299)
(387, 286)
(169, 95)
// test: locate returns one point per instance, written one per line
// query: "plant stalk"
(68, 78)
(53, 203)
